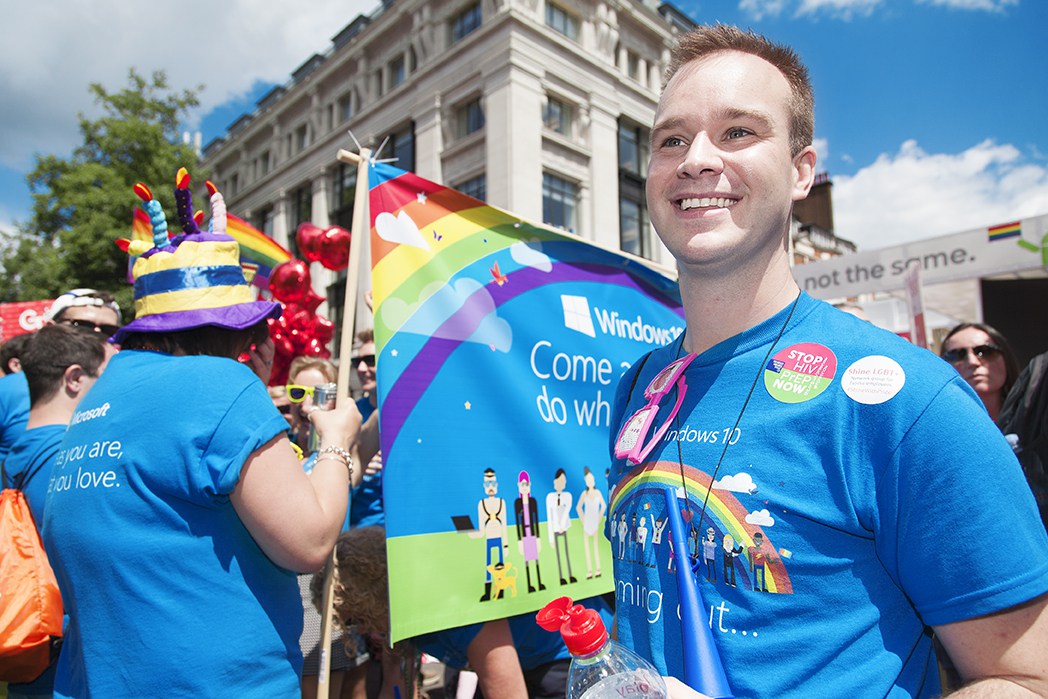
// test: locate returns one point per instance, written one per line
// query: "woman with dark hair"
(982, 356)
(178, 512)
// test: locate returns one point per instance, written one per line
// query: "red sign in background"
(22, 317)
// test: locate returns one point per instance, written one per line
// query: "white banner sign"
(1011, 247)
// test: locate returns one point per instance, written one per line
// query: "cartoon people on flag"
(491, 513)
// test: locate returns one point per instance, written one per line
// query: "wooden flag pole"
(359, 229)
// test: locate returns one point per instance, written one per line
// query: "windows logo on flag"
(577, 314)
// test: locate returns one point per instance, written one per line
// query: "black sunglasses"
(88, 326)
(959, 354)
(368, 359)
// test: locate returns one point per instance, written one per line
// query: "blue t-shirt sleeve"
(449, 646)
(250, 421)
(953, 471)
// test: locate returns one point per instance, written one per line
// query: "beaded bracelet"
(333, 453)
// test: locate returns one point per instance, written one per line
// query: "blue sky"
(929, 113)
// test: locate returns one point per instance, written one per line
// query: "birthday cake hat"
(193, 279)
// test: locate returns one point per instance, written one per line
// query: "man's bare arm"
(1001, 655)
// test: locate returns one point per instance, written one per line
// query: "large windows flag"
(500, 343)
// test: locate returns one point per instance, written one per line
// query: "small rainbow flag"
(257, 250)
(1007, 230)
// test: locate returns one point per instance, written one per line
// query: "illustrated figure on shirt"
(527, 512)
(622, 537)
(693, 545)
(709, 554)
(491, 513)
(591, 508)
(631, 547)
(759, 557)
(558, 521)
(642, 541)
(657, 527)
(731, 552)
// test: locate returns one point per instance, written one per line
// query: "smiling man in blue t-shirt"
(855, 482)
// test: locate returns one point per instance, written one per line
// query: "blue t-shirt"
(366, 509)
(167, 592)
(14, 409)
(33, 454)
(885, 499)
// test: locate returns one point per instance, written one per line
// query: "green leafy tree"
(83, 203)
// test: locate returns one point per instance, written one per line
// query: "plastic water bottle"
(600, 668)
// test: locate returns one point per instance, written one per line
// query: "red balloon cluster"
(299, 331)
(329, 247)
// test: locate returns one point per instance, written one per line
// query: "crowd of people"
(186, 510)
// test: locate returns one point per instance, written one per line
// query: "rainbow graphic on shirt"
(724, 512)
(499, 345)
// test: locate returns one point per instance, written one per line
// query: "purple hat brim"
(236, 317)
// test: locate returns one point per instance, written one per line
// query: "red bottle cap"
(582, 629)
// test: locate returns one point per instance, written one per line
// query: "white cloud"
(759, 9)
(739, 483)
(913, 195)
(822, 150)
(844, 9)
(52, 51)
(761, 518)
(988, 5)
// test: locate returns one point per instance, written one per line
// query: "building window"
(633, 211)
(557, 116)
(476, 187)
(402, 145)
(234, 184)
(559, 202)
(345, 107)
(263, 164)
(301, 138)
(633, 149)
(633, 220)
(343, 193)
(397, 73)
(633, 65)
(557, 18)
(465, 22)
(469, 118)
(301, 212)
(264, 221)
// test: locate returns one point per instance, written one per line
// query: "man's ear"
(73, 379)
(804, 166)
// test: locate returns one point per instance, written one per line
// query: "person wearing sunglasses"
(179, 513)
(87, 310)
(61, 365)
(870, 469)
(304, 375)
(983, 357)
(367, 509)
